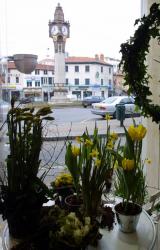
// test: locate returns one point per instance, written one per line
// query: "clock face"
(64, 30)
(54, 30)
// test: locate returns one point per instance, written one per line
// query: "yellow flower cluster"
(73, 227)
(64, 179)
(137, 133)
(127, 164)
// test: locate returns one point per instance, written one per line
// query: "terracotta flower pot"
(128, 218)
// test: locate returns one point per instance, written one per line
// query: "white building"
(88, 76)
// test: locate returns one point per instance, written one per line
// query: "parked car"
(72, 97)
(89, 100)
(108, 106)
(26, 100)
(4, 108)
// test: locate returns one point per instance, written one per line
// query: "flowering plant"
(73, 232)
(61, 187)
(130, 183)
(61, 180)
(91, 165)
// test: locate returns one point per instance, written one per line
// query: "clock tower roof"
(59, 15)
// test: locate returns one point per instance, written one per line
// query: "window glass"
(76, 68)
(87, 81)
(110, 100)
(17, 79)
(87, 68)
(76, 81)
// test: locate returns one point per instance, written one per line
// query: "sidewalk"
(70, 130)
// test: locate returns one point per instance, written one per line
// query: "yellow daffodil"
(132, 132)
(137, 133)
(75, 150)
(114, 136)
(88, 142)
(110, 145)
(94, 153)
(79, 139)
(127, 164)
(115, 165)
(107, 117)
(97, 162)
(141, 131)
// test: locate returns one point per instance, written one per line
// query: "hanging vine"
(133, 62)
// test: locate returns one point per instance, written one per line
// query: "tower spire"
(59, 15)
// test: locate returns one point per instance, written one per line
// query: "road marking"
(91, 119)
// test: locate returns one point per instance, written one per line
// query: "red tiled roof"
(44, 66)
(11, 65)
(84, 60)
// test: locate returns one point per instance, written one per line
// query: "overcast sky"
(95, 26)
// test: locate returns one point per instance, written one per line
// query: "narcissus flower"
(97, 162)
(107, 117)
(75, 150)
(94, 153)
(110, 145)
(88, 142)
(137, 133)
(127, 164)
(114, 136)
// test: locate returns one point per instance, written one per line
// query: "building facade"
(84, 76)
(39, 84)
(88, 76)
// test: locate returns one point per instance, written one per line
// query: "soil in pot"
(130, 209)
(128, 217)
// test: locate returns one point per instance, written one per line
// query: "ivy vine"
(134, 53)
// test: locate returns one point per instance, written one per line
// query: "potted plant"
(61, 187)
(91, 165)
(23, 192)
(74, 233)
(130, 181)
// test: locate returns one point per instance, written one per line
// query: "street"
(68, 123)
(74, 114)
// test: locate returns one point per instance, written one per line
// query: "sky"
(96, 27)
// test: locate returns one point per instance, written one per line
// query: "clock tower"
(59, 32)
